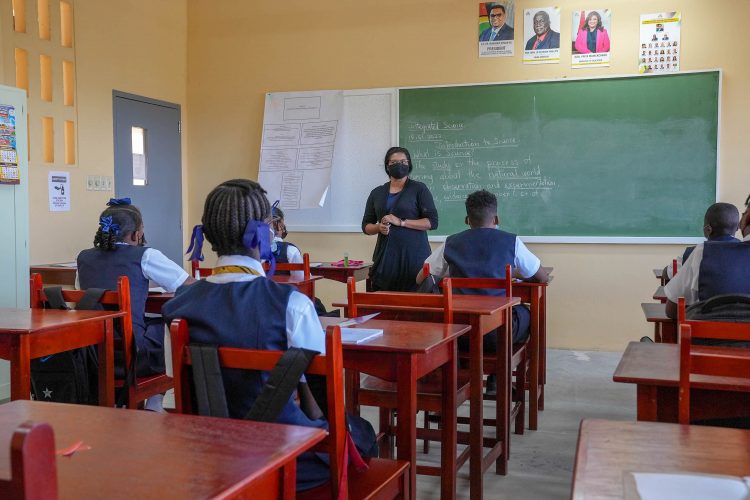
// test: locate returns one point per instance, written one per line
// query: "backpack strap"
(209, 385)
(54, 298)
(90, 300)
(281, 383)
(717, 301)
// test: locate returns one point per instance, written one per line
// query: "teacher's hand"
(391, 219)
(384, 228)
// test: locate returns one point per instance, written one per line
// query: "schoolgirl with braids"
(119, 250)
(237, 306)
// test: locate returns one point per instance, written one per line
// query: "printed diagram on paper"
(299, 138)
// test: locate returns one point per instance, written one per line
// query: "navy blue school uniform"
(252, 312)
(484, 253)
(101, 269)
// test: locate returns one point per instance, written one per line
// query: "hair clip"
(258, 235)
(118, 201)
(196, 244)
(107, 226)
(275, 210)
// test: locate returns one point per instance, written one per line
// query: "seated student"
(119, 250)
(483, 252)
(714, 267)
(718, 225)
(237, 306)
(283, 251)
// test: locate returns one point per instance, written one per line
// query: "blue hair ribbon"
(196, 244)
(258, 235)
(107, 226)
(118, 201)
(274, 209)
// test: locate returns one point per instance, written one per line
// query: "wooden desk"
(655, 369)
(404, 353)
(156, 300)
(336, 273)
(139, 454)
(26, 334)
(55, 274)
(304, 285)
(484, 314)
(535, 294)
(665, 328)
(658, 274)
(660, 295)
(608, 449)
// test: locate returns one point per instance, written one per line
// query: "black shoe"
(646, 339)
(491, 387)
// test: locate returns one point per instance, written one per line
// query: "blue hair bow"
(196, 244)
(258, 235)
(274, 209)
(107, 226)
(118, 201)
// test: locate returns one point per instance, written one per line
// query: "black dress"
(398, 257)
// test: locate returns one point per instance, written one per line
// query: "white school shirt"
(293, 256)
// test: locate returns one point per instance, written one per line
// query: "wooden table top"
(25, 321)
(402, 336)
(650, 363)
(608, 449)
(655, 312)
(658, 271)
(659, 294)
(329, 265)
(140, 454)
(291, 280)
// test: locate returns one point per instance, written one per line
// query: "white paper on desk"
(653, 486)
(156, 289)
(359, 335)
(70, 265)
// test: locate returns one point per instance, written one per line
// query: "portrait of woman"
(592, 37)
(399, 212)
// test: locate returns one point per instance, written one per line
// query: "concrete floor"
(579, 385)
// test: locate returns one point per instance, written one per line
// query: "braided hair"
(229, 206)
(127, 217)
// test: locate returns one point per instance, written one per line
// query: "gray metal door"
(148, 167)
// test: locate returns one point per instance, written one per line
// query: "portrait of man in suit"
(544, 37)
(498, 29)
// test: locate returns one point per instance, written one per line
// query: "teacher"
(400, 212)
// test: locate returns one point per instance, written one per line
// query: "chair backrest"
(330, 365)
(674, 268)
(200, 272)
(303, 266)
(716, 330)
(484, 283)
(32, 463)
(714, 361)
(119, 299)
(394, 301)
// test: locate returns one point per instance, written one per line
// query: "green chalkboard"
(616, 157)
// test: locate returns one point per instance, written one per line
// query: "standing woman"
(592, 37)
(400, 212)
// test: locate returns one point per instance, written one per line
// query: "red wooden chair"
(523, 354)
(32, 464)
(200, 272)
(303, 266)
(383, 479)
(142, 387)
(382, 394)
(729, 367)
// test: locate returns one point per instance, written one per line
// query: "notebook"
(359, 335)
(651, 486)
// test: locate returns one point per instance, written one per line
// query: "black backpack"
(730, 308)
(70, 376)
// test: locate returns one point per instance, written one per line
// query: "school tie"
(492, 36)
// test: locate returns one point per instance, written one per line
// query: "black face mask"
(398, 170)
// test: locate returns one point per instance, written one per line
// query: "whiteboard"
(369, 126)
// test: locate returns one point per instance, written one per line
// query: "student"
(719, 224)
(284, 251)
(714, 267)
(237, 306)
(483, 252)
(119, 250)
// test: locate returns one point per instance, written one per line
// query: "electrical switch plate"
(90, 185)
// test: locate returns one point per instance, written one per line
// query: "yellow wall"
(135, 46)
(239, 50)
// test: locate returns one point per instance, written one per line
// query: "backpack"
(69, 376)
(730, 308)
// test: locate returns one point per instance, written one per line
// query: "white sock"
(154, 403)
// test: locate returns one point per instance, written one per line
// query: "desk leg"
(503, 397)
(406, 432)
(448, 418)
(534, 362)
(106, 352)
(542, 345)
(476, 429)
(351, 384)
(288, 480)
(20, 370)
(647, 403)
